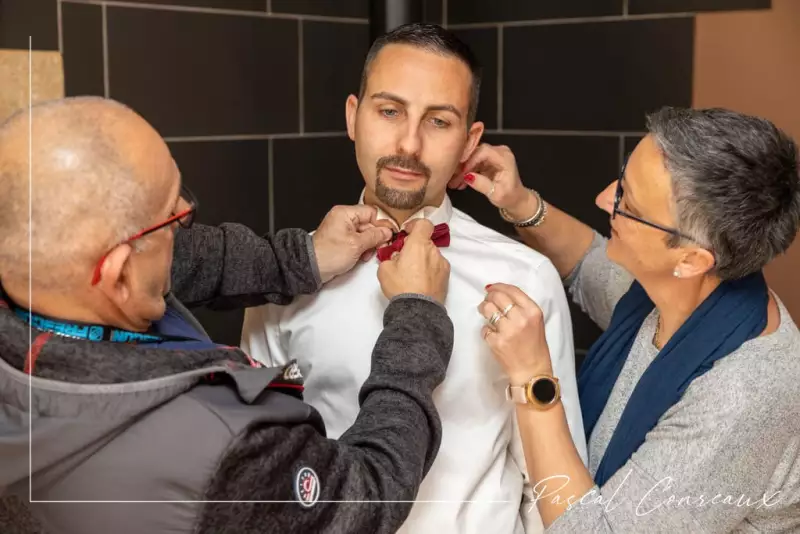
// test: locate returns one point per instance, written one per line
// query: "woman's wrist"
(524, 207)
(523, 375)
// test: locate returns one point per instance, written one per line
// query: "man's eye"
(439, 123)
(389, 112)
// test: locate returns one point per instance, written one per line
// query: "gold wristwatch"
(541, 392)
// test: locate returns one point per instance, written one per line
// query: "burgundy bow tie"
(440, 238)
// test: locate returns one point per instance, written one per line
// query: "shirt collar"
(435, 214)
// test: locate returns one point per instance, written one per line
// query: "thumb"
(372, 237)
(479, 183)
(420, 230)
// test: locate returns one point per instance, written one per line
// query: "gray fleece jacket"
(116, 422)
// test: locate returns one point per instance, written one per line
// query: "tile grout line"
(251, 137)
(271, 185)
(574, 20)
(269, 7)
(317, 135)
(300, 77)
(106, 74)
(220, 11)
(500, 78)
(565, 133)
(625, 8)
(60, 30)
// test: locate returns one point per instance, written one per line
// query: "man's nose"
(410, 142)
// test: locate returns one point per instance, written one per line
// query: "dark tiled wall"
(250, 93)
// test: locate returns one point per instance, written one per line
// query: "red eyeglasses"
(184, 218)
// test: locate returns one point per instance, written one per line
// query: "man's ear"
(473, 139)
(114, 279)
(350, 111)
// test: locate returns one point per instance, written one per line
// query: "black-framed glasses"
(184, 217)
(618, 198)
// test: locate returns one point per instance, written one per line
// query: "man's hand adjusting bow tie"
(440, 238)
(346, 234)
(419, 269)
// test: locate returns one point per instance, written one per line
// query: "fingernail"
(469, 177)
(488, 286)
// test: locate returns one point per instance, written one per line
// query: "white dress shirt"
(479, 475)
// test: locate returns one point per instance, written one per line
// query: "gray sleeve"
(708, 464)
(382, 457)
(596, 284)
(229, 266)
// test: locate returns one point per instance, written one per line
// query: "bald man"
(130, 399)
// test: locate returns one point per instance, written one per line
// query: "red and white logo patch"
(306, 487)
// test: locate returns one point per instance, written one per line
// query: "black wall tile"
(229, 178)
(466, 11)
(203, 74)
(684, 6)
(432, 11)
(231, 182)
(223, 327)
(82, 25)
(584, 331)
(333, 56)
(20, 19)
(630, 144)
(568, 171)
(311, 175)
(483, 43)
(595, 76)
(246, 5)
(337, 8)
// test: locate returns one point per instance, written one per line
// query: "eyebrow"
(438, 107)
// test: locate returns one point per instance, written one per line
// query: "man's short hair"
(433, 38)
(76, 211)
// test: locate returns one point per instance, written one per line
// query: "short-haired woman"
(691, 397)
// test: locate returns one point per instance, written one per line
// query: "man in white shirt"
(413, 127)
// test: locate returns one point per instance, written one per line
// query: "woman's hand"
(492, 171)
(517, 338)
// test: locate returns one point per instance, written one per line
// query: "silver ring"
(507, 309)
(491, 191)
(496, 316)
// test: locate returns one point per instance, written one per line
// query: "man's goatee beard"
(399, 199)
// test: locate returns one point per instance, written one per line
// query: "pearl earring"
(676, 273)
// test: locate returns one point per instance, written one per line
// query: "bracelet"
(535, 220)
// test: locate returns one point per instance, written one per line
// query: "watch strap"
(524, 394)
(518, 394)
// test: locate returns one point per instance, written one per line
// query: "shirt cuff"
(417, 296)
(312, 258)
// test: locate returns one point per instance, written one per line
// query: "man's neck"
(400, 216)
(65, 308)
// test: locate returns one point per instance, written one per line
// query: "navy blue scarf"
(734, 313)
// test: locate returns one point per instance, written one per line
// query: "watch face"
(544, 390)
